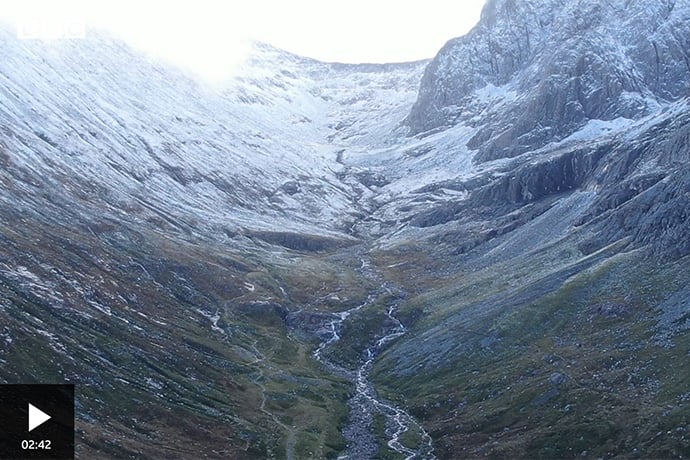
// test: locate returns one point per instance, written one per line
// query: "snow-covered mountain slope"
(91, 119)
(534, 84)
(448, 194)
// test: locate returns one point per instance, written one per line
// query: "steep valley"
(481, 255)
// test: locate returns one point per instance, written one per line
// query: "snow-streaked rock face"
(99, 125)
(295, 145)
(529, 104)
(562, 64)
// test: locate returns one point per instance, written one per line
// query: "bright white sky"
(205, 35)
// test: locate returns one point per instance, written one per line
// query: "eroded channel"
(365, 404)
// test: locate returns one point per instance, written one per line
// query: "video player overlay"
(36, 421)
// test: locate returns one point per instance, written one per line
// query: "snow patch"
(595, 129)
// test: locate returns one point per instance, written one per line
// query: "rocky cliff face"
(554, 65)
(545, 98)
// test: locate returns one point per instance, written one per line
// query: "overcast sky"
(203, 35)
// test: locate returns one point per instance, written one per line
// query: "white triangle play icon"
(36, 417)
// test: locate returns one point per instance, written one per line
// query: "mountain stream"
(366, 403)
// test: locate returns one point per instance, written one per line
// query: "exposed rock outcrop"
(554, 65)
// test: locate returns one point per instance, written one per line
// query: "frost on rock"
(563, 63)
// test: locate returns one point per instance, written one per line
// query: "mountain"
(565, 63)
(159, 236)
(481, 254)
(153, 135)
(546, 273)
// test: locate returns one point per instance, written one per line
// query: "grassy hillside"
(177, 346)
(529, 358)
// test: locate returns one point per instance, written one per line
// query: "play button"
(37, 422)
(36, 417)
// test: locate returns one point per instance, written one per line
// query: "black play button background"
(56, 401)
